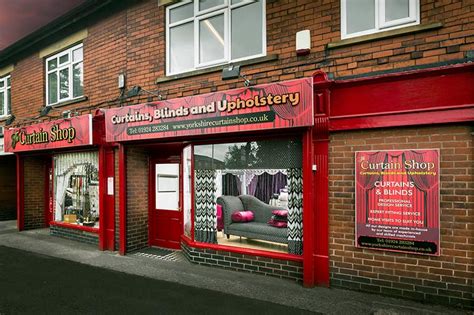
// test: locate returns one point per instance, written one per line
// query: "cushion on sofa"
(242, 216)
(280, 213)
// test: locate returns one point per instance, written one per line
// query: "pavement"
(240, 284)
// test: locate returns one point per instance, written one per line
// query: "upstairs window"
(5, 96)
(363, 17)
(203, 33)
(64, 76)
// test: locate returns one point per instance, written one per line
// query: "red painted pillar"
(102, 192)
(122, 200)
(308, 210)
(316, 221)
(20, 193)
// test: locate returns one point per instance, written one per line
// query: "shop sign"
(286, 104)
(69, 132)
(397, 201)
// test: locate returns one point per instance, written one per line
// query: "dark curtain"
(230, 185)
(267, 185)
(428, 184)
(364, 184)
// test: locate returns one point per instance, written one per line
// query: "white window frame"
(67, 65)
(381, 24)
(5, 90)
(225, 9)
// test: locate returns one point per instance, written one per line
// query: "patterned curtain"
(295, 211)
(206, 219)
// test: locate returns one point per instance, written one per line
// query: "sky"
(18, 18)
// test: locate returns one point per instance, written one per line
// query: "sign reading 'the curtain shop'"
(69, 132)
(397, 200)
(286, 104)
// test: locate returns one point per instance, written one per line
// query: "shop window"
(249, 194)
(187, 189)
(203, 33)
(5, 96)
(64, 75)
(76, 188)
(363, 17)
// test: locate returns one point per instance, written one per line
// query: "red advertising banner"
(397, 200)
(286, 104)
(69, 132)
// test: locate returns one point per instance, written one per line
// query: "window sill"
(75, 227)
(215, 69)
(5, 117)
(241, 250)
(383, 35)
(73, 101)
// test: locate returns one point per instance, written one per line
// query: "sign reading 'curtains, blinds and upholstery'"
(397, 200)
(286, 104)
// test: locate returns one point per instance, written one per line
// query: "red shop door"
(165, 203)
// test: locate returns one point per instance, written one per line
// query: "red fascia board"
(429, 117)
(241, 250)
(429, 96)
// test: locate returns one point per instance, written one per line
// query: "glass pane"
(207, 4)
(181, 13)
(244, 184)
(236, 1)
(9, 82)
(182, 48)
(63, 59)
(76, 188)
(9, 101)
(396, 9)
(247, 37)
(2, 83)
(2, 103)
(360, 15)
(64, 83)
(52, 64)
(52, 88)
(77, 81)
(77, 55)
(167, 186)
(211, 41)
(187, 189)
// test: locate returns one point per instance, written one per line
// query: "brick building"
(373, 77)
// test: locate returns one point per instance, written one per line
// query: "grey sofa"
(257, 229)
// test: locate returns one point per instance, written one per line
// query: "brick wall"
(137, 198)
(75, 235)
(132, 41)
(7, 188)
(445, 279)
(239, 262)
(34, 186)
(450, 42)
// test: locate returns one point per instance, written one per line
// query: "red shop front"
(64, 169)
(233, 178)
